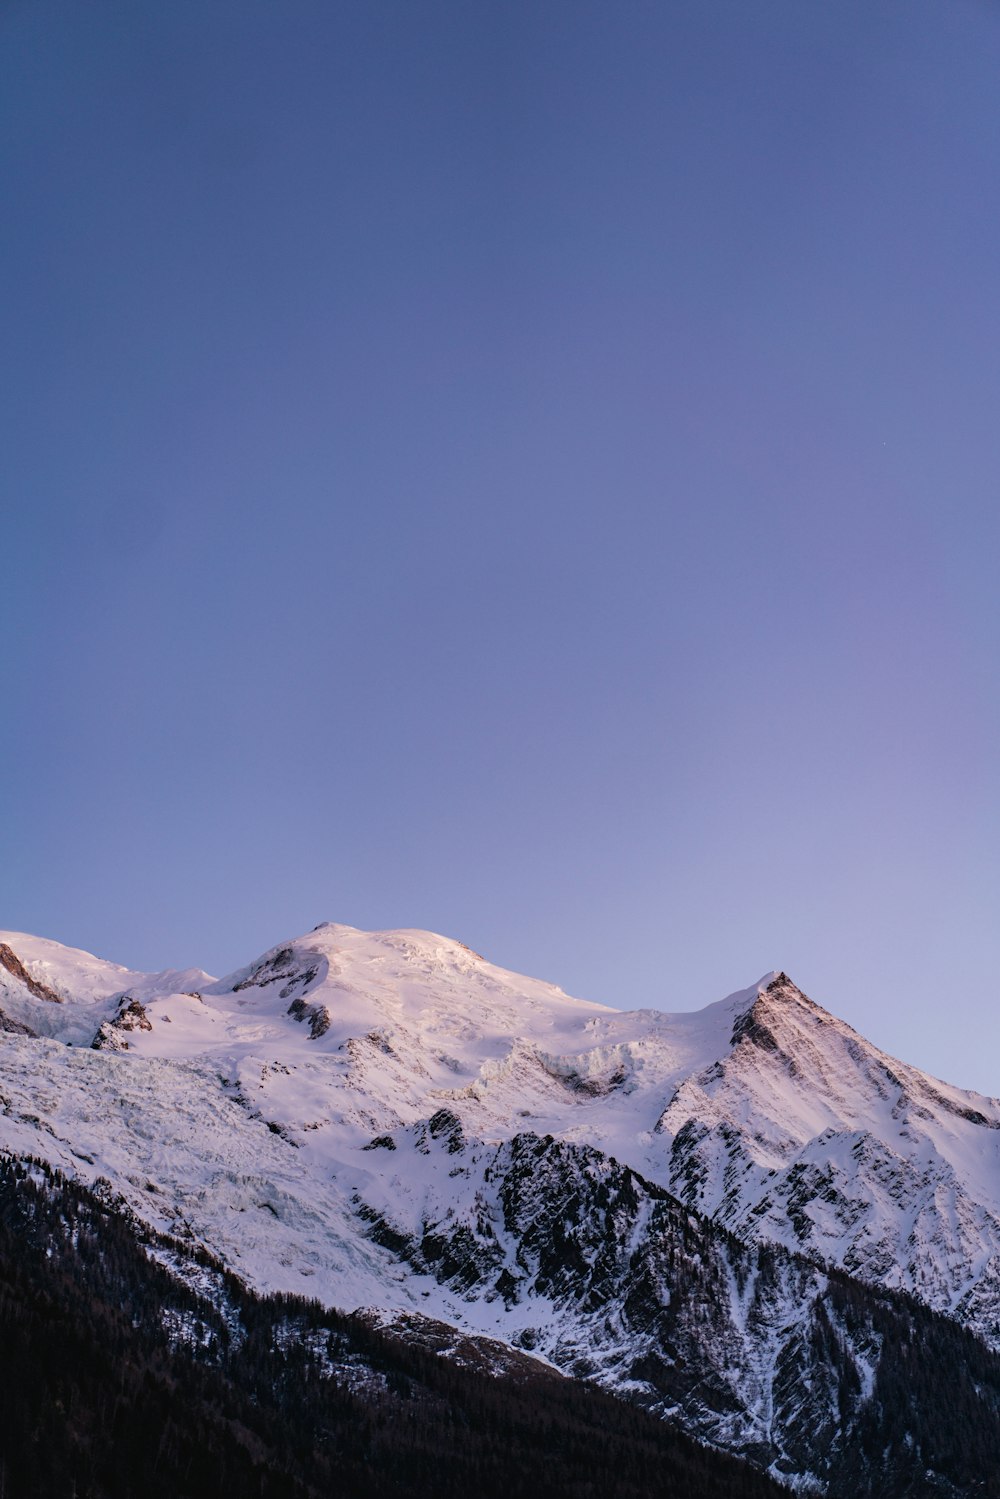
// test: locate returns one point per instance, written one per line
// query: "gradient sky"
(526, 470)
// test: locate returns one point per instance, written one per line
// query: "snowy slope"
(247, 1107)
(52, 990)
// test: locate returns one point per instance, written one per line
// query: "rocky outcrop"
(280, 968)
(112, 1035)
(14, 1027)
(12, 963)
(317, 1016)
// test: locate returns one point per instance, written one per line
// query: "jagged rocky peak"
(826, 1055)
(780, 989)
(779, 1003)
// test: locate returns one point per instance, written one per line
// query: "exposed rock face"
(113, 1034)
(14, 1027)
(282, 968)
(318, 1016)
(754, 1349)
(12, 963)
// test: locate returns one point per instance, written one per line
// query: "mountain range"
(747, 1219)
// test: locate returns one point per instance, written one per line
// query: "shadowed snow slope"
(261, 1113)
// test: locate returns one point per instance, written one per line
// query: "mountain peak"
(778, 988)
(775, 1013)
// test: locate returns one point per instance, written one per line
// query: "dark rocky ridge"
(12, 963)
(753, 1349)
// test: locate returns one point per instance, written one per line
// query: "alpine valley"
(374, 1216)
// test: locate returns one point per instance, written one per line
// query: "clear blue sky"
(527, 470)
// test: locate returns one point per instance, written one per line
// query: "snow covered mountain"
(365, 1118)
